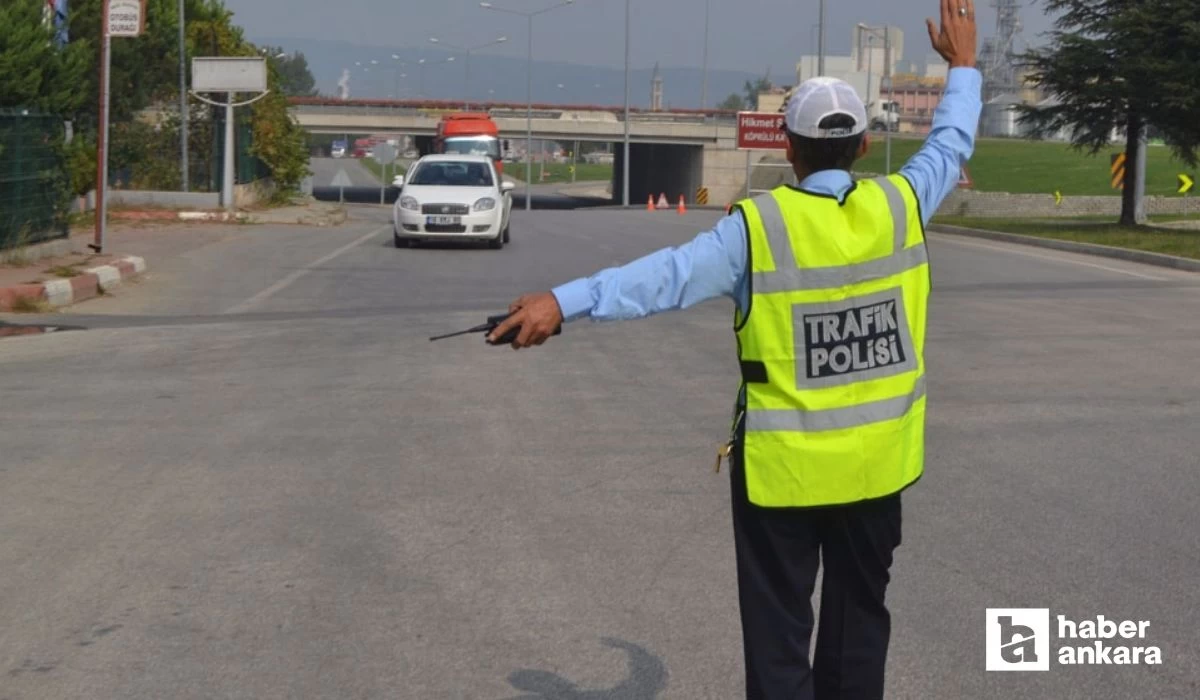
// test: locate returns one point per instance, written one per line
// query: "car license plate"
(443, 220)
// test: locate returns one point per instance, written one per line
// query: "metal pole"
(529, 123)
(821, 39)
(467, 83)
(870, 61)
(183, 97)
(887, 138)
(704, 81)
(747, 175)
(1139, 186)
(102, 132)
(625, 164)
(230, 155)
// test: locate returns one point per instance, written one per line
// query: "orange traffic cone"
(682, 206)
(650, 203)
(662, 201)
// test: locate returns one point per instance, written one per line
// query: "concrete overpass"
(672, 152)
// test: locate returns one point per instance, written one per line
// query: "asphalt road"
(253, 477)
(324, 170)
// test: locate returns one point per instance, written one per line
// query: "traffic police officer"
(830, 280)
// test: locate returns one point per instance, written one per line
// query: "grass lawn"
(1185, 244)
(1010, 165)
(375, 167)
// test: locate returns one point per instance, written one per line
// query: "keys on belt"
(725, 450)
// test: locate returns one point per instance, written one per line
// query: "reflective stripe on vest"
(835, 407)
(788, 276)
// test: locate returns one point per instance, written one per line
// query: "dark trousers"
(778, 551)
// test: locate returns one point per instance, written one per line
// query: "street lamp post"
(887, 75)
(528, 89)
(183, 98)
(421, 72)
(821, 39)
(704, 80)
(467, 70)
(625, 164)
(396, 82)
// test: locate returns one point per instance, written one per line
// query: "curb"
(64, 292)
(1104, 251)
(163, 215)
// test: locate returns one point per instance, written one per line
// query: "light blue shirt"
(714, 263)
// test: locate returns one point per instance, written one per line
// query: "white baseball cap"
(818, 98)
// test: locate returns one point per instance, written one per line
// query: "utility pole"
(183, 98)
(704, 80)
(821, 39)
(625, 164)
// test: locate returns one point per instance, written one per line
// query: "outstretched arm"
(711, 265)
(934, 170)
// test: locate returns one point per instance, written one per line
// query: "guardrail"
(508, 111)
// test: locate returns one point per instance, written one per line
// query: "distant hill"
(504, 76)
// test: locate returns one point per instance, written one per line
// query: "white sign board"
(126, 17)
(229, 74)
(385, 153)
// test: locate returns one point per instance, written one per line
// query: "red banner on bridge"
(760, 130)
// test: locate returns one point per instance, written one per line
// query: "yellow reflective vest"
(832, 345)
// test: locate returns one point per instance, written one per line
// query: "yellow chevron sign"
(1117, 171)
(1185, 183)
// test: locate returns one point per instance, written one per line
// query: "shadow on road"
(647, 678)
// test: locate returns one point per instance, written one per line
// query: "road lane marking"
(290, 279)
(1051, 258)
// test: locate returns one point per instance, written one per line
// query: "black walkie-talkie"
(485, 328)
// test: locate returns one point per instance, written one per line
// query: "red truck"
(470, 133)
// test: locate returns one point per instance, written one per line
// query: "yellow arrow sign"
(1185, 183)
(1057, 198)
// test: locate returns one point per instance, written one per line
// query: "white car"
(452, 197)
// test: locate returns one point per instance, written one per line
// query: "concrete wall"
(1005, 205)
(165, 200)
(724, 171)
(243, 196)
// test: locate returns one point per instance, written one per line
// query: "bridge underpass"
(670, 153)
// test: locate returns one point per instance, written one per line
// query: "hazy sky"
(746, 35)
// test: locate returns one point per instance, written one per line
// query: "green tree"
(145, 80)
(752, 88)
(1121, 65)
(295, 78)
(34, 72)
(733, 103)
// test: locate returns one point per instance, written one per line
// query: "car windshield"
(453, 174)
(481, 146)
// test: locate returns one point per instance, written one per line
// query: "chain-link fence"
(144, 154)
(33, 178)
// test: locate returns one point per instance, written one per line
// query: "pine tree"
(34, 72)
(1121, 65)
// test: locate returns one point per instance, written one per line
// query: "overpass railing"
(508, 111)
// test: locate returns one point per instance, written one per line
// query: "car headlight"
(485, 204)
(410, 203)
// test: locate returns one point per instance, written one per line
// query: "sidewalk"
(305, 213)
(80, 274)
(133, 237)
